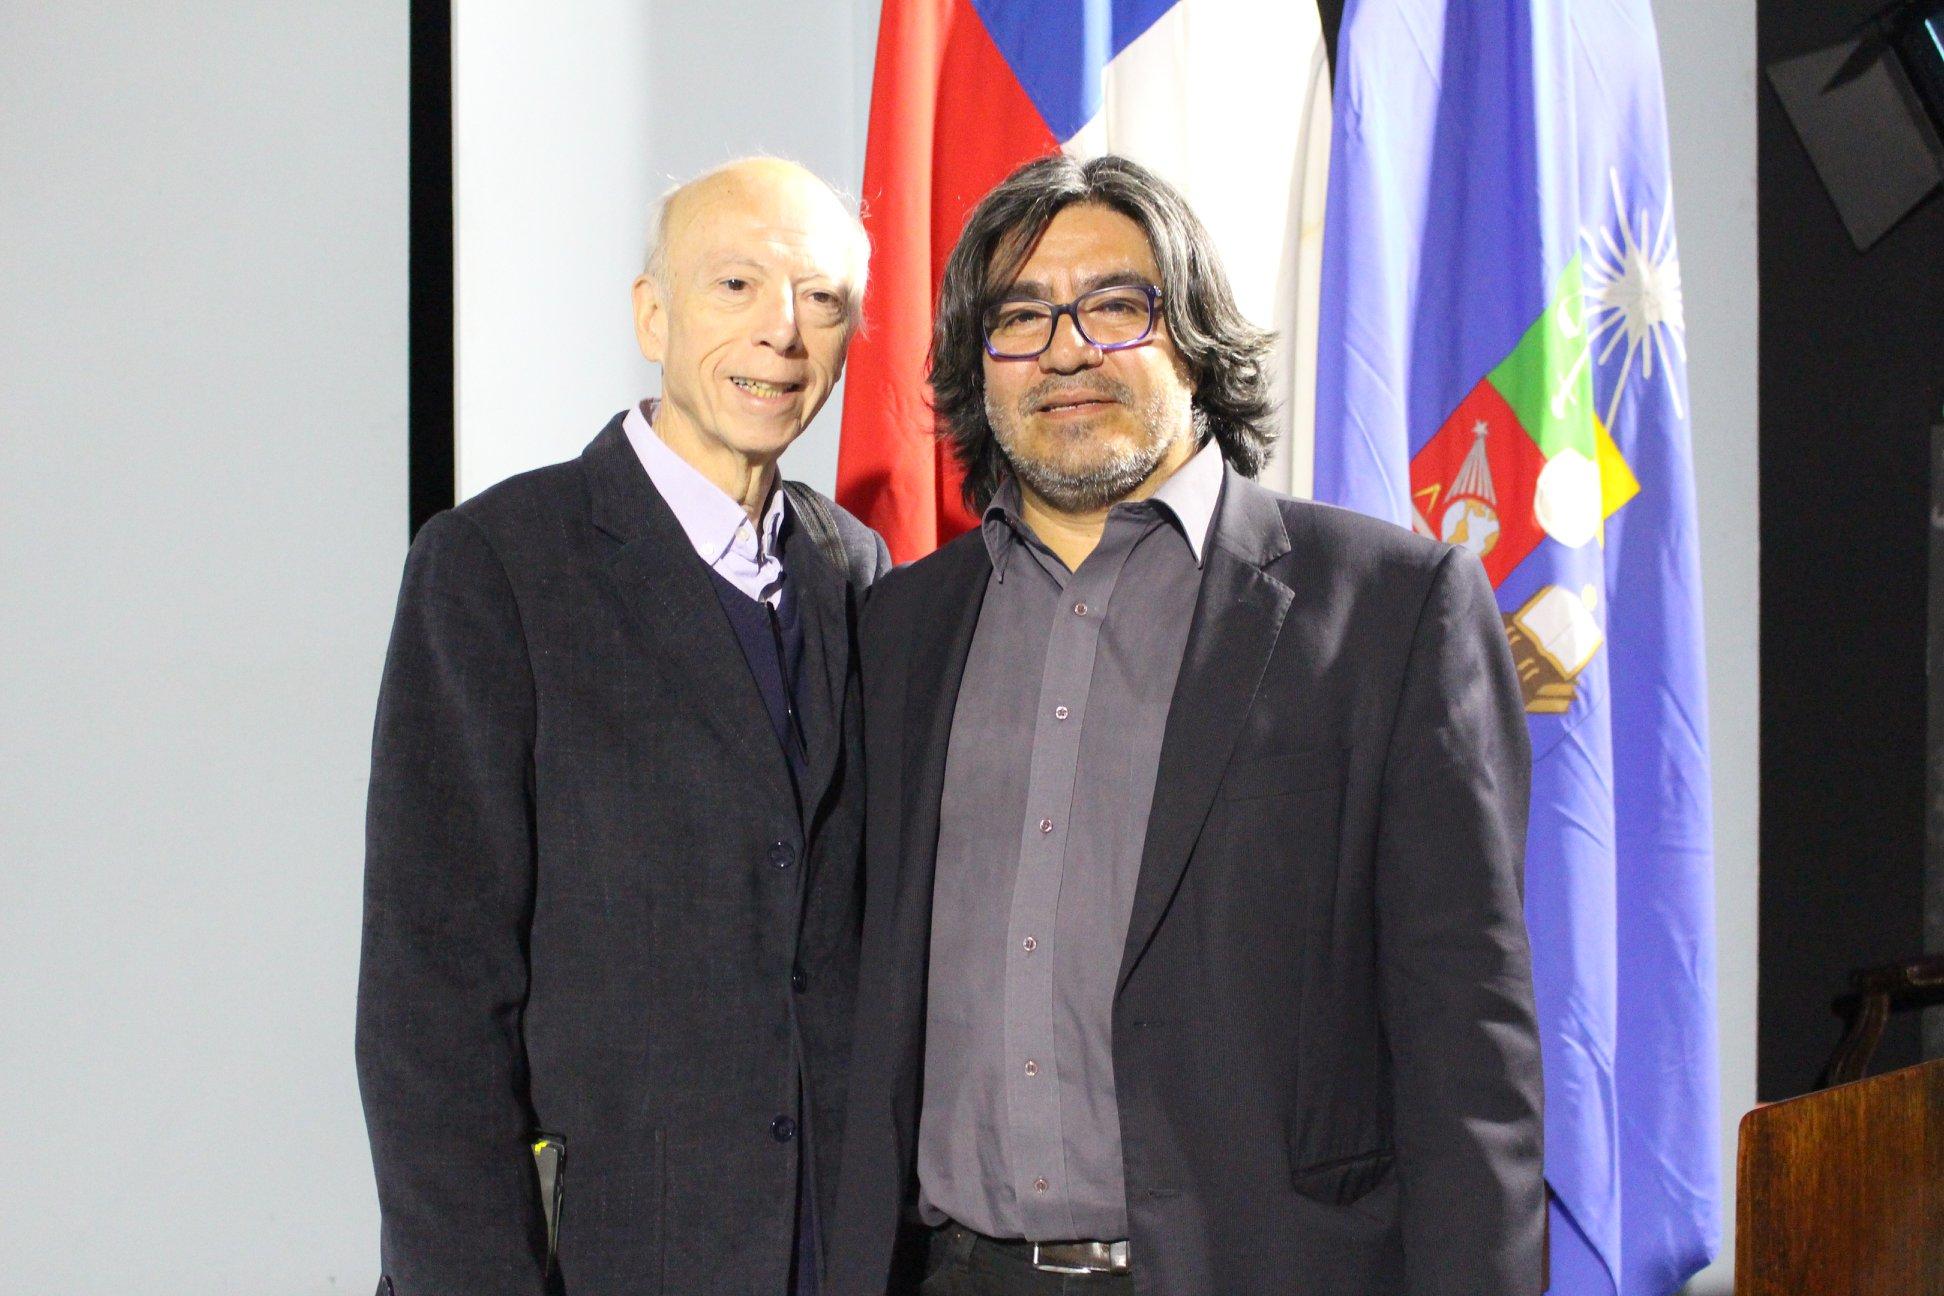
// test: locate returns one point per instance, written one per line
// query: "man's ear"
(651, 318)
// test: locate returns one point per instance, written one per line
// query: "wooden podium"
(1841, 1192)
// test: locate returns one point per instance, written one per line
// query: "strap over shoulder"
(813, 512)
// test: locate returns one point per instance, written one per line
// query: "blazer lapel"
(1238, 616)
(931, 696)
(669, 595)
(822, 600)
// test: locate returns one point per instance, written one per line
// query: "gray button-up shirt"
(1049, 776)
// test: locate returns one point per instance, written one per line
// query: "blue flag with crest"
(1502, 366)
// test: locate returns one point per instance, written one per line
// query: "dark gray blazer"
(592, 905)
(1324, 1049)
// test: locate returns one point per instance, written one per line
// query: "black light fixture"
(1919, 44)
(1870, 112)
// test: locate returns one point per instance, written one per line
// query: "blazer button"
(782, 1129)
(782, 854)
(798, 981)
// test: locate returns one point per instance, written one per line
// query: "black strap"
(820, 524)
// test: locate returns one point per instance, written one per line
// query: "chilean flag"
(1228, 100)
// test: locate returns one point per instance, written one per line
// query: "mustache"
(1096, 385)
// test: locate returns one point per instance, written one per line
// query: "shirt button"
(782, 854)
(1032, 1067)
(1039, 1185)
(782, 1129)
(1030, 944)
(1046, 825)
(1079, 609)
(1061, 713)
(798, 981)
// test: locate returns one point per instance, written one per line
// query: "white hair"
(654, 257)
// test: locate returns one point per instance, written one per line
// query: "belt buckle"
(1094, 1258)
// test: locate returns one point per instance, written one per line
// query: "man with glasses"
(1194, 958)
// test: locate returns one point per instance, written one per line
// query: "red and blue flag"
(1227, 99)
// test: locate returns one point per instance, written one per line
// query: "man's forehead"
(1028, 286)
(748, 223)
(723, 244)
(1086, 245)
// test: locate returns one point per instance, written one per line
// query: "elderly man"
(611, 875)
(1194, 962)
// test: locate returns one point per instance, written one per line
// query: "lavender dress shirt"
(741, 552)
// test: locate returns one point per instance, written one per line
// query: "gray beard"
(1094, 488)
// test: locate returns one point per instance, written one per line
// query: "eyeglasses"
(1107, 318)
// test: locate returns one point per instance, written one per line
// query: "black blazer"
(1324, 1048)
(588, 888)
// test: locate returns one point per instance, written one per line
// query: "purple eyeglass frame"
(1072, 309)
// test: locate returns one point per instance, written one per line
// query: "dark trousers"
(964, 1263)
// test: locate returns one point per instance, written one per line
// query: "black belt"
(1075, 1258)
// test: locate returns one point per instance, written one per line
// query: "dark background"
(430, 304)
(1852, 376)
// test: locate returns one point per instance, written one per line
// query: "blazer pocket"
(1319, 769)
(1342, 1180)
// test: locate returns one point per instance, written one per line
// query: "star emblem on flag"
(1633, 296)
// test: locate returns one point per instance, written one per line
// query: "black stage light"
(1918, 39)
(1870, 112)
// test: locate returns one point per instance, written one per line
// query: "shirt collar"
(1188, 497)
(712, 521)
(1001, 526)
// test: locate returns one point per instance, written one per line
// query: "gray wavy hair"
(1224, 352)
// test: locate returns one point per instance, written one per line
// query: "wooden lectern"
(1841, 1192)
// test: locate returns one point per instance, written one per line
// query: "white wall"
(202, 517)
(1708, 59)
(551, 123)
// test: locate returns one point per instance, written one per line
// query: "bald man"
(611, 899)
